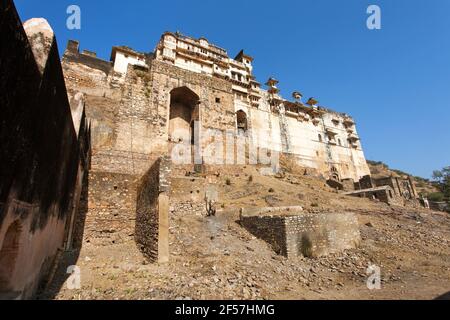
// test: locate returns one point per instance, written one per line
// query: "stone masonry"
(152, 212)
(304, 234)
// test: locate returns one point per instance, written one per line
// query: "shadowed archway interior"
(184, 111)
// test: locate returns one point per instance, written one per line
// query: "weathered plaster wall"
(40, 154)
(305, 144)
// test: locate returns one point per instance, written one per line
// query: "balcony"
(331, 131)
(349, 122)
(353, 138)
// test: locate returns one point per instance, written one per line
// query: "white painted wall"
(304, 141)
(123, 60)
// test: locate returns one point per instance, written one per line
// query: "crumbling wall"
(271, 229)
(152, 212)
(187, 195)
(366, 182)
(314, 235)
(348, 184)
(130, 115)
(40, 154)
(111, 207)
(310, 235)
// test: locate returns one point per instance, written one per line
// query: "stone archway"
(242, 122)
(184, 113)
(8, 255)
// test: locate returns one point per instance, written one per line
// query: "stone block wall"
(129, 114)
(310, 235)
(152, 212)
(271, 229)
(348, 184)
(111, 207)
(314, 235)
(366, 182)
(187, 196)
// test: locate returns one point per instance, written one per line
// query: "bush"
(436, 197)
(375, 163)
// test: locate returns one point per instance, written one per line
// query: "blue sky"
(395, 81)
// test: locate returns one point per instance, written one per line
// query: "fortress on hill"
(105, 152)
(180, 157)
(190, 92)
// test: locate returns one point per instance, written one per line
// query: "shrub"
(436, 197)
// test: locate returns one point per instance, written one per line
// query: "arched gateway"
(184, 113)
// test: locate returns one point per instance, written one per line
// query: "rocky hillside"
(215, 258)
(380, 169)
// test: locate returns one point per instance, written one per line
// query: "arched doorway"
(184, 113)
(242, 123)
(335, 174)
(8, 255)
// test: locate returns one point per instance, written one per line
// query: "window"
(320, 138)
(340, 142)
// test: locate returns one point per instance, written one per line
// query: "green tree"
(442, 179)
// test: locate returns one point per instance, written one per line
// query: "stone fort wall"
(130, 118)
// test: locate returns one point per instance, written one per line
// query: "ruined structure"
(190, 92)
(391, 190)
(292, 233)
(44, 155)
(114, 136)
(191, 103)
